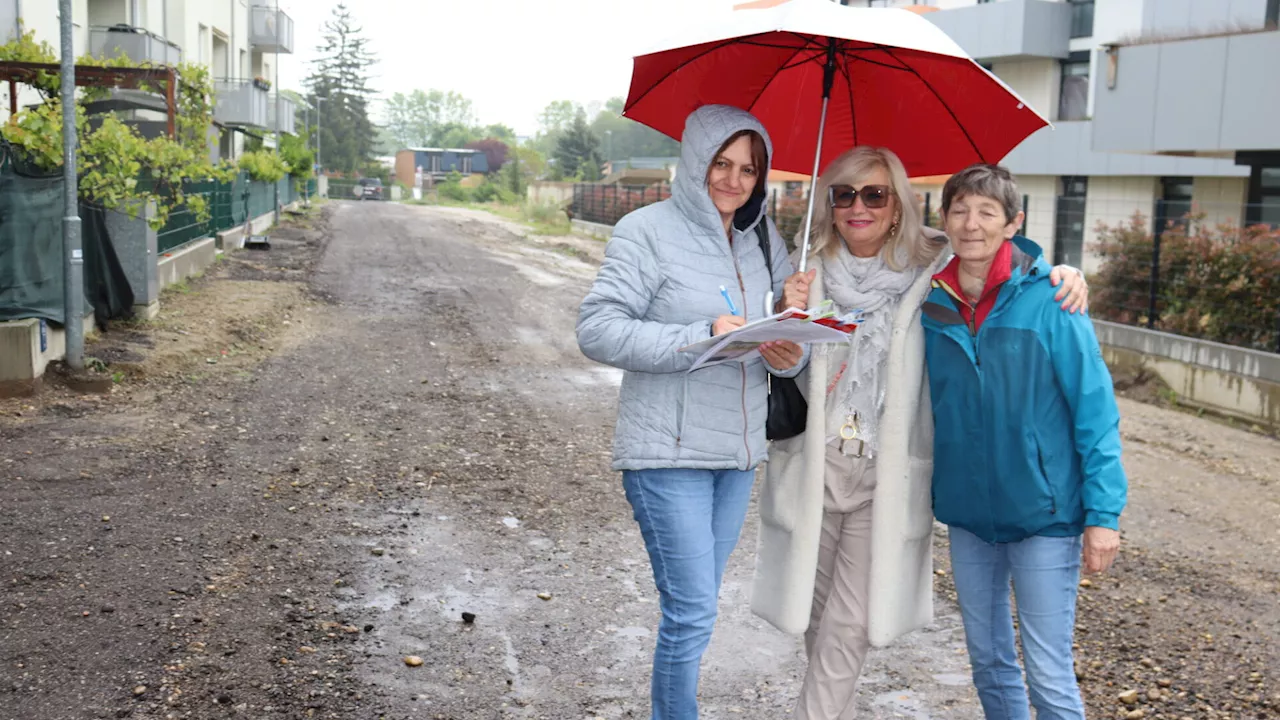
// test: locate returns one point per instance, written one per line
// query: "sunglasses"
(873, 196)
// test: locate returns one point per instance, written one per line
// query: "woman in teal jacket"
(1027, 471)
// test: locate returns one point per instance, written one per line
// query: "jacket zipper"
(746, 426)
(1053, 499)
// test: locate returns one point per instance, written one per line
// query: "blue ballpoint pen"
(733, 309)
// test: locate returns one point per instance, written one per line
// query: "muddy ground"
(320, 456)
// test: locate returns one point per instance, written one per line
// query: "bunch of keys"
(849, 432)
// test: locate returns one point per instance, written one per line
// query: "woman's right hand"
(727, 323)
(795, 293)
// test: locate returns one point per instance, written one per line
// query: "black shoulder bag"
(788, 410)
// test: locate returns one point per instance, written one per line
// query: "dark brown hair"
(759, 158)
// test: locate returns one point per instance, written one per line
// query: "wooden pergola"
(95, 76)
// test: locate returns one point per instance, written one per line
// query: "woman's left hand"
(781, 355)
(1074, 288)
(1100, 548)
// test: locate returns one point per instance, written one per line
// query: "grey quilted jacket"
(659, 290)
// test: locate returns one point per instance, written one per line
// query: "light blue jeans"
(1045, 573)
(690, 520)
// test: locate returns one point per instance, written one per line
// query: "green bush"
(545, 213)
(264, 165)
(451, 190)
(492, 192)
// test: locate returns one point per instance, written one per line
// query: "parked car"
(368, 189)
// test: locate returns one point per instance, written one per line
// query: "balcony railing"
(270, 29)
(283, 108)
(134, 43)
(241, 103)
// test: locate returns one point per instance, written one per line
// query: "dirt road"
(401, 430)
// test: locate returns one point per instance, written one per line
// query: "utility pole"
(72, 258)
(275, 83)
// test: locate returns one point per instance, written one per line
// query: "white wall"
(1116, 19)
(1221, 199)
(1035, 80)
(1042, 195)
(1113, 201)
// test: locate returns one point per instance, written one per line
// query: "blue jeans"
(690, 520)
(1046, 574)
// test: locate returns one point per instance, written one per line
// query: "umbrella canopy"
(894, 80)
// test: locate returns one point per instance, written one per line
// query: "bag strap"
(762, 232)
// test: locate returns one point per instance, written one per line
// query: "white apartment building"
(239, 40)
(1058, 55)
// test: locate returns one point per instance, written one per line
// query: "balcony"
(136, 44)
(241, 103)
(1011, 29)
(1203, 96)
(283, 108)
(270, 29)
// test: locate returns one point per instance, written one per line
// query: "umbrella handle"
(813, 183)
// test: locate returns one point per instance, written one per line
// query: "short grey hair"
(984, 180)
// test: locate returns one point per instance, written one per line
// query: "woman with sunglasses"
(845, 545)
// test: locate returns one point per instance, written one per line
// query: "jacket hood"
(1029, 264)
(706, 129)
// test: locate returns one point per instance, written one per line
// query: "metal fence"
(229, 205)
(1203, 270)
(606, 204)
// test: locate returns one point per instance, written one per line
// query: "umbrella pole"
(828, 79)
(813, 184)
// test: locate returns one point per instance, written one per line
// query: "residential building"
(643, 163)
(1135, 147)
(415, 167)
(240, 41)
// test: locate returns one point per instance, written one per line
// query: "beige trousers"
(836, 641)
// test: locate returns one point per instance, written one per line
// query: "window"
(1081, 18)
(793, 188)
(1175, 205)
(1073, 98)
(435, 163)
(1264, 196)
(466, 164)
(1068, 232)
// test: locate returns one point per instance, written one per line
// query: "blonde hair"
(907, 246)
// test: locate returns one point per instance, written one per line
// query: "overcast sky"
(510, 57)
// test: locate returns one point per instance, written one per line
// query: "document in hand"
(797, 326)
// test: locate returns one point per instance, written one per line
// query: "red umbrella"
(824, 78)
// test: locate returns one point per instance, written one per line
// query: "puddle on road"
(952, 679)
(902, 704)
(511, 522)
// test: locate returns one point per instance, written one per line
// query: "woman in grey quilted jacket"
(688, 443)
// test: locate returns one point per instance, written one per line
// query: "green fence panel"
(261, 198)
(183, 226)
